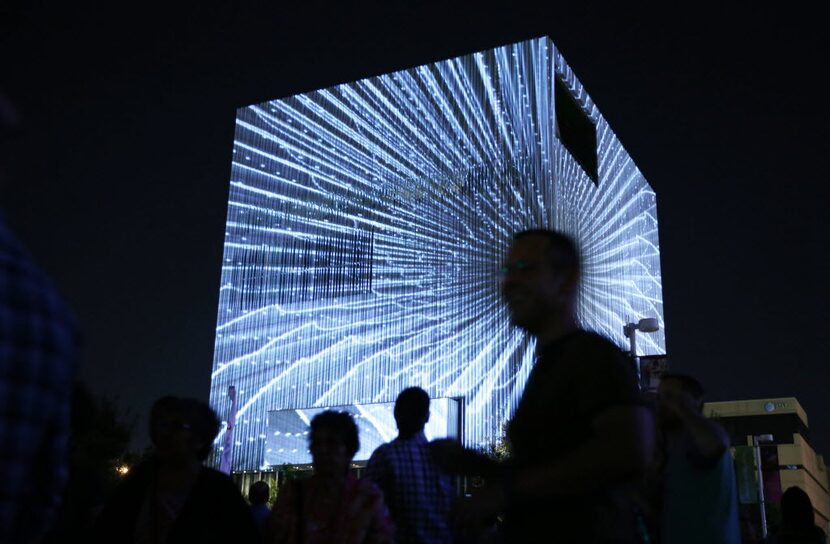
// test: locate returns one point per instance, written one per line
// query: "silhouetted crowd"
(590, 459)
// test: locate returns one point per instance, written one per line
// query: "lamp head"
(649, 324)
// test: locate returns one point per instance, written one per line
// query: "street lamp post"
(648, 324)
(756, 443)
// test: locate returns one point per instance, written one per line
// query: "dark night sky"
(118, 184)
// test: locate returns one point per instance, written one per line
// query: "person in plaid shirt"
(38, 359)
(418, 494)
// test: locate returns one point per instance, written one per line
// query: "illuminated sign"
(772, 406)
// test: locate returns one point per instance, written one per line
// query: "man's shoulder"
(721, 463)
(389, 450)
(378, 462)
(381, 451)
(582, 344)
(590, 340)
(36, 322)
(389, 454)
(210, 477)
(595, 369)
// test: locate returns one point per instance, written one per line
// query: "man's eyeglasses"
(165, 426)
(518, 266)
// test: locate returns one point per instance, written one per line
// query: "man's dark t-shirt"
(574, 380)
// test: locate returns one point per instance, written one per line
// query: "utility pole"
(756, 442)
(649, 324)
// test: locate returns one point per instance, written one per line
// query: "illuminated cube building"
(366, 225)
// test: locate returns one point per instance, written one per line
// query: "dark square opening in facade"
(575, 130)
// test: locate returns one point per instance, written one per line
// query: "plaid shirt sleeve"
(38, 352)
(376, 467)
(418, 495)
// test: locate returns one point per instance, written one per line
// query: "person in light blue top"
(699, 493)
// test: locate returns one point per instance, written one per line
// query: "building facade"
(366, 226)
(787, 460)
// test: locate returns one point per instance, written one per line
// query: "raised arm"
(708, 438)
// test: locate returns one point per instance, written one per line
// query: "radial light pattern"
(366, 225)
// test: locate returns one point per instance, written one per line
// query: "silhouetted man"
(699, 496)
(579, 435)
(418, 494)
(39, 355)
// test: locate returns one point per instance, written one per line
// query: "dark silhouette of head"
(676, 387)
(160, 414)
(562, 253)
(204, 422)
(183, 427)
(796, 510)
(258, 492)
(340, 423)
(688, 385)
(540, 280)
(411, 411)
(333, 442)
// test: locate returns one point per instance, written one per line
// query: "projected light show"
(367, 223)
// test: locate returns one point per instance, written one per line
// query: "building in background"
(788, 460)
(366, 225)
